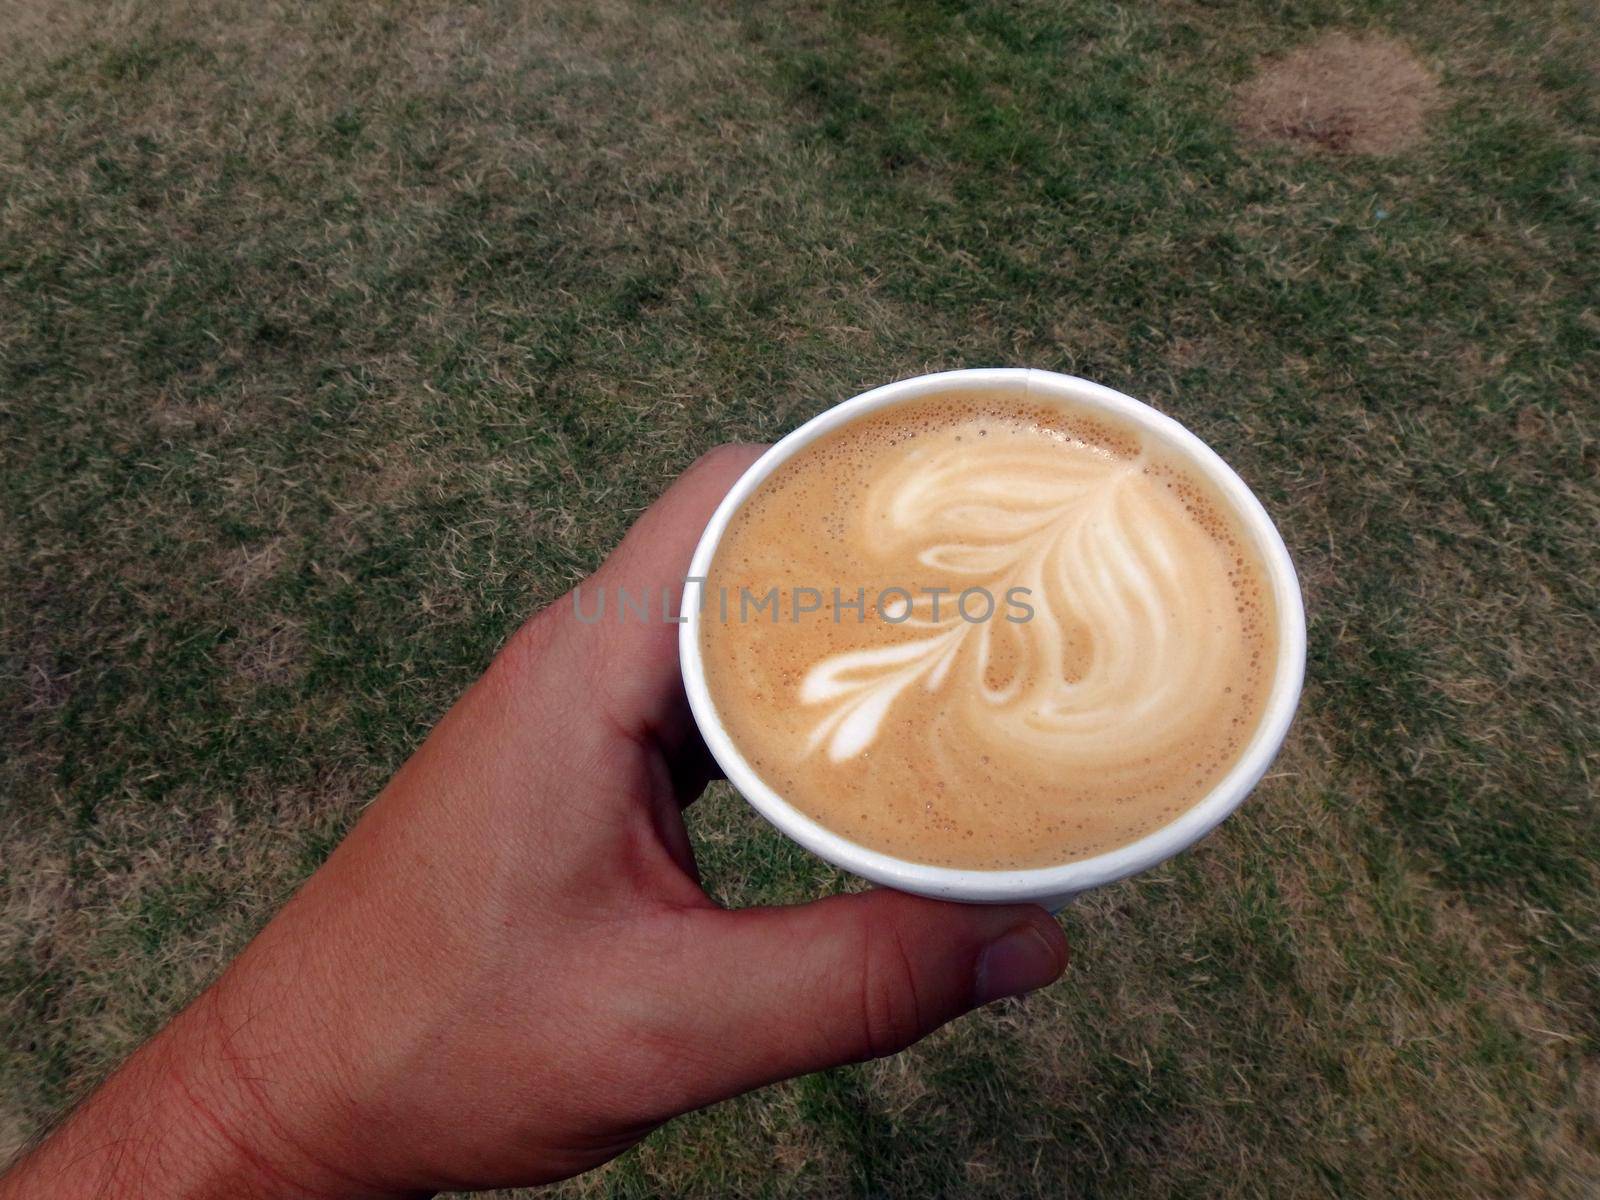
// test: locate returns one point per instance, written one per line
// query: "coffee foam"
(996, 743)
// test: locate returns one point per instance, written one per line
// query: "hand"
(508, 972)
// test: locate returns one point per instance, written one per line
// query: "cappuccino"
(977, 631)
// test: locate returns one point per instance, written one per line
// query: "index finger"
(634, 658)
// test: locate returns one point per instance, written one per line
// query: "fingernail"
(1018, 961)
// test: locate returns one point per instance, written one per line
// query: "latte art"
(1114, 650)
(1075, 655)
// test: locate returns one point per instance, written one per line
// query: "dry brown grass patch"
(1341, 95)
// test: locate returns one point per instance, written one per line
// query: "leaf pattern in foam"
(1109, 569)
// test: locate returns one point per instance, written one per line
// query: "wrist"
(182, 1117)
(255, 1132)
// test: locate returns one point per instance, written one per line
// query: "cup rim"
(1060, 881)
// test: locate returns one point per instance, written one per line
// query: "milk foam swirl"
(1120, 659)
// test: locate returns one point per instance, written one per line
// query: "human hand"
(508, 972)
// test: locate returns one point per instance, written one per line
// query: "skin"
(508, 972)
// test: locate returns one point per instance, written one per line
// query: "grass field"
(336, 338)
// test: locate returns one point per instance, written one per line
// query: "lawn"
(336, 338)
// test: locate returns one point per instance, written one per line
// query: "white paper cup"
(1049, 886)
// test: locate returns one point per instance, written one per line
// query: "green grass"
(335, 339)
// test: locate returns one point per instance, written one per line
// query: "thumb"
(781, 991)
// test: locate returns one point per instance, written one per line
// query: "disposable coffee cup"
(1050, 886)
